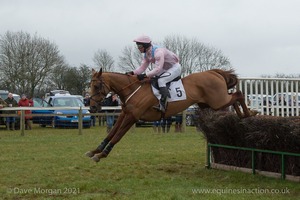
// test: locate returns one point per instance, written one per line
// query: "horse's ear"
(100, 72)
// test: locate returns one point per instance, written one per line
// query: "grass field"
(49, 163)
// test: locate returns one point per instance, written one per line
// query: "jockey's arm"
(159, 63)
(142, 68)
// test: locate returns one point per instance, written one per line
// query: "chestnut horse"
(207, 89)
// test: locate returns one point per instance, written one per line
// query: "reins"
(131, 93)
(102, 90)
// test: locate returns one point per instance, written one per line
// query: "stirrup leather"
(162, 106)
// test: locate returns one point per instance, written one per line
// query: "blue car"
(66, 117)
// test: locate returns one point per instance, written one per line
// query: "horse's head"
(99, 90)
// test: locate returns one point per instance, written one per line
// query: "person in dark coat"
(10, 120)
(86, 102)
(110, 100)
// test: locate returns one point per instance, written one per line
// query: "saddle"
(175, 88)
(154, 82)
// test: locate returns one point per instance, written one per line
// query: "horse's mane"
(229, 75)
(119, 73)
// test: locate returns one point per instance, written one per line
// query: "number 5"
(178, 91)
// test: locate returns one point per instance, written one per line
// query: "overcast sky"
(258, 36)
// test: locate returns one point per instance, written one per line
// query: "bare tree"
(56, 80)
(26, 61)
(103, 60)
(84, 79)
(74, 79)
(186, 50)
(194, 56)
(130, 59)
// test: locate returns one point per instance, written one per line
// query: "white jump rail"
(276, 89)
(80, 114)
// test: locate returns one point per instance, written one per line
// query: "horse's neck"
(121, 84)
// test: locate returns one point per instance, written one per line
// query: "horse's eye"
(96, 87)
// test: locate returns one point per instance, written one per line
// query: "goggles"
(139, 46)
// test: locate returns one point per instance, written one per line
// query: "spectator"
(166, 124)
(2, 103)
(24, 102)
(178, 124)
(157, 127)
(86, 102)
(110, 100)
(11, 102)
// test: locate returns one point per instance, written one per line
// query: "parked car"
(66, 117)
(285, 104)
(256, 100)
(40, 119)
(288, 98)
(55, 92)
(16, 97)
(191, 115)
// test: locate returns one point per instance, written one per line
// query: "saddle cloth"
(176, 90)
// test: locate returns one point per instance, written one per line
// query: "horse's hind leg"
(111, 134)
(237, 109)
(236, 99)
(244, 107)
(239, 97)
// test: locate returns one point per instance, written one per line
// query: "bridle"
(104, 90)
(100, 91)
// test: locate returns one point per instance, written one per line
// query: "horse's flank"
(209, 88)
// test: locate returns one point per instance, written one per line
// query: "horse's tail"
(229, 76)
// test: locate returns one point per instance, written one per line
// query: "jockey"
(166, 67)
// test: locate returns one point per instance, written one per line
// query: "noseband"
(101, 90)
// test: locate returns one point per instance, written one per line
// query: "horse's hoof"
(89, 154)
(95, 158)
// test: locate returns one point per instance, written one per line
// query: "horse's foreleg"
(126, 124)
(111, 134)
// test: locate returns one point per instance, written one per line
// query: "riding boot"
(163, 100)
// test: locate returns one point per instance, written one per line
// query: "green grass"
(49, 163)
